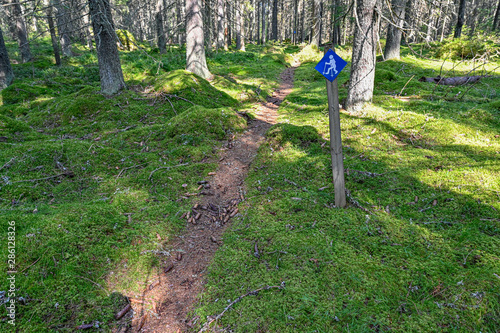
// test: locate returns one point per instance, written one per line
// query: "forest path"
(182, 277)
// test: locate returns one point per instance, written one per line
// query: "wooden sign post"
(330, 66)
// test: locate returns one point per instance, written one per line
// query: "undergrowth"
(95, 184)
(418, 247)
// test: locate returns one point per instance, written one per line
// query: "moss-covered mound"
(188, 86)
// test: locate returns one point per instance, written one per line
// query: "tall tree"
(362, 78)
(19, 29)
(460, 19)
(195, 45)
(316, 25)
(263, 20)
(53, 37)
(110, 69)
(63, 17)
(160, 32)
(240, 25)
(6, 73)
(496, 19)
(221, 22)
(393, 42)
(274, 21)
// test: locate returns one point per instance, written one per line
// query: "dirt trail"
(182, 278)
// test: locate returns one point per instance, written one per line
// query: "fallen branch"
(67, 174)
(355, 203)
(453, 81)
(366, 173)
(128, 168)
(8, 164)
(253, 292)
(168, 168)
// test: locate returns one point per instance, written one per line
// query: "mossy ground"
(73, 162)
(427, 256)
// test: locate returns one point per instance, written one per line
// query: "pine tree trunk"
(220, 23)
(238, 24)
(6, 73)
(242, 26)
(316, 25)
(274, 21)
(110, 70)
(295, 17)
(20, 30)
(496, 20)
(393, 42)
(257, 13)
(195, 50)
(302, 22)
(63, 27)
(160, 33)
(229, 21)
(264, 35)
(460, 20)
(52, 30)
(362, 78)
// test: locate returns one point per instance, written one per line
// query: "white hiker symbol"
(332, 65)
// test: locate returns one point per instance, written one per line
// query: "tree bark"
(160, 32)
(195, 51)
(316, 25)
(110, 69)
(221, 18)
(274, 21)
(302, 22)
(19, 30)
(460, 19)
(497, 17)
(393, 42)
(53, 37)
(6, 73)
(229, 21)
(264, 35)
(62, 18)
(362, 78)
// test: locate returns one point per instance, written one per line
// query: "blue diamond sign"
(331, 65)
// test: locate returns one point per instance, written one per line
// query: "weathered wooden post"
(330, 66)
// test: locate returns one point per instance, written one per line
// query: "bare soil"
(166, 303)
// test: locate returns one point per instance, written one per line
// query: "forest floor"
(98, 190)
(178, 288)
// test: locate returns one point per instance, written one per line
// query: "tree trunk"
(160, 33)
(316, 25)
(295, 16)
(240, 25)
(393, 42)
(6, 73)
(496, 20)
(362, 78)
(220, 23)
(460, 20)
(263, 39)
(229, 21)
(19, 30)
(53, 37)
(110, 69)
(274, 21)
(302, 22)
(195, 50)
(62, 17)
(208, 26)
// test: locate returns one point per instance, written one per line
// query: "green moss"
(127, 40)
(303, 135)
(187, 85)
(385, 75)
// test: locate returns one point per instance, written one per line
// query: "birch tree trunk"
(6, 73)
(362, 78)
(195, 44)
(110, 69)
